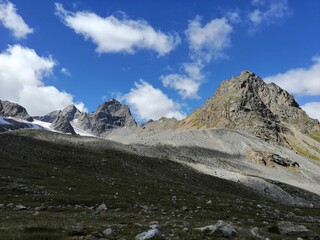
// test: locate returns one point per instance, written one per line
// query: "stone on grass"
(107, 232)
(289, 229)
(20, 207)
(221, 228)
(150, 234)
(102, 208)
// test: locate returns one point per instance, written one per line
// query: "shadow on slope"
(63, 180)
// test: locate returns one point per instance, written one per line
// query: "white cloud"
(300, 81)
(312, 109)
(12, 21)
(187, 84)
(205, 43)
(256, 17)
(233, 16)
(81, 107)
(65, 71)
(21, 79)
(148, 102)
(268, 13)
(113, 35)
(209, 41)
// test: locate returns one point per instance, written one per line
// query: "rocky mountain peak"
(10, 109)
(109, 115)
(247, 103)
(62, 124)
(71, 112)
(110, 106)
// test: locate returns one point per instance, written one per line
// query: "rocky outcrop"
(50, 117)
(248, 103)
(71, 112)
(289, 229)
(62, 124)
(108, 116)
(10, 109)
(271, 159)
(221, 229)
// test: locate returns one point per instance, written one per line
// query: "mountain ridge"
(244, 102)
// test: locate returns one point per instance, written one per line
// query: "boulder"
(290, 229)
(221, 229)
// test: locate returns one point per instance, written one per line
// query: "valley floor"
(55, 186)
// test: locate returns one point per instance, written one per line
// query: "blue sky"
(162, 58)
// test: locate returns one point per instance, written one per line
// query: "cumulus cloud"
(205, 43)
(312, 109)
(114, 35)
(187, 84)
(208, 41)
(300, 81)
(22, 72)
(11, 20)
(81, 107)
(148, 102)
(268, 13)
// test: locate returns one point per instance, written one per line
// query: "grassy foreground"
(61, 184)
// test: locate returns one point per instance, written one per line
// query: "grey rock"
(150, 234)
(101, 208)
(221, 228)
(61, 119)
(107, 232)
(108, 116)
(62, 124)
(290, 229)
(20, 207)
(50, 117)
(256, 235)
(70, 112)
(9, 109)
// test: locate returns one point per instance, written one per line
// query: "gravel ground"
(222, 153)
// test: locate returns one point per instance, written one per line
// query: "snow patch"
(78, 130)
(4, 122)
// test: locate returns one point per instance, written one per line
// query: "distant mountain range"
(244, 103)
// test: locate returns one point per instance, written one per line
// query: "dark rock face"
(248, 103)
(50, 117)
(108, 116)
(270, 159)
(62, 124)
(9, 109)
(71, 113)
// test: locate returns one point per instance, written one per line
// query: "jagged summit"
(109, 115)
(71, 112)
(247, 103)
(10, 109)
(61, 122)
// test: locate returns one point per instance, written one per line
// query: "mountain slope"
(63, 179)
(10, 109)
(265, 110)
